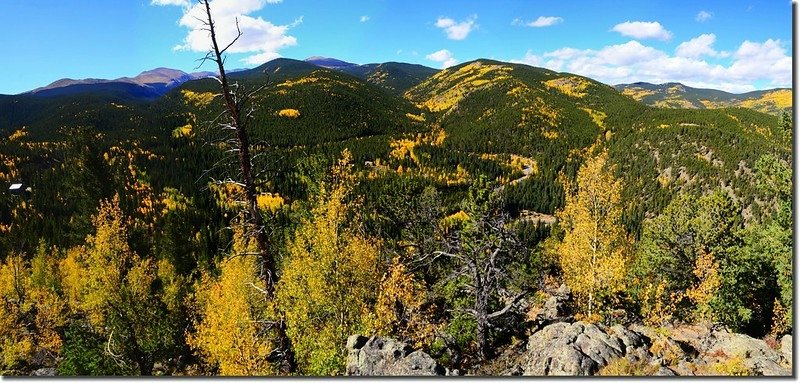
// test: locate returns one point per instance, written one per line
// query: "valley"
(443, 208)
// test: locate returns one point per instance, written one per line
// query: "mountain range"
(677, 95)
(149, 84)
(396, 78)
(484, 108)
(146, 167)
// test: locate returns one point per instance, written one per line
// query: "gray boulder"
(786, 348)
(379, 356)
(556, 308)
(570, 349)
(757, 355)
(48, 371)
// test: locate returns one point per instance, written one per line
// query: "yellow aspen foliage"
(93, 272)
(571, 86)
(233, 315)
(19, 134)
(453, 221)
(706, 270)
(659, 308)
(227, 194)
(17, 343)
(183, 131)
(113, 287)
(270, 202)
(32, 311)
(399, 311)
(403, 148)
(173, 200)
(289, 113)
(779, 321)
(327, 291)
(199, 100)
(416, 117)
(593, 254)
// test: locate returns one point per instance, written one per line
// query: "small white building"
(16, 189)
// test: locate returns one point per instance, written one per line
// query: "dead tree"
(238, 112)
(483, 252)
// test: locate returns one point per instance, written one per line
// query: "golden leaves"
(199, 100)
(233, 315)
(327, 290)
(399, 309)
(706, 270)
(32, 312)
(447, 88)
(597, 116)
(416, 117)
(594, 252)
(18, 135)
(183, 131)
(572, 86)
(637, 93)
(289, 113)
(270, 202)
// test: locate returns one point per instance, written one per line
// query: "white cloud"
(703, 16)
(443, 56)
(699, 46)
(364, 18)
(530, 59)
(456, 30)
(753, 62)
(542, 21)
(767, 60)
(630, 53)
(643, 30)
(260, 38)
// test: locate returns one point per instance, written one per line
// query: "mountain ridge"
(398, 77)
(677, 95)
(151, 83)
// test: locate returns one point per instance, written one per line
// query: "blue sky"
(735, 45)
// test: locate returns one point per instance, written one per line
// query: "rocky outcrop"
(754, 353)
(49, 371)
(583, 349)
(571, 349)
(383, 356)
(556, 308)
(786, 347)
(557, 345)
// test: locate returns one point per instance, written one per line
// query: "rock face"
(558, 345)
(786, 347)
(49, 371)
(571, 349)
(556, 308)
(580, 349)
(383, 356)
(583, 349)
(756, 355)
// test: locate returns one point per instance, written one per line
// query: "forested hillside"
(675, 95)
(436, 208)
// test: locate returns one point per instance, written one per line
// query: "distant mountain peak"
(153, 82)
(330, 63)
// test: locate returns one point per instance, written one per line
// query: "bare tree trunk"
(481, 320)
(245, 164)
(234, 106)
